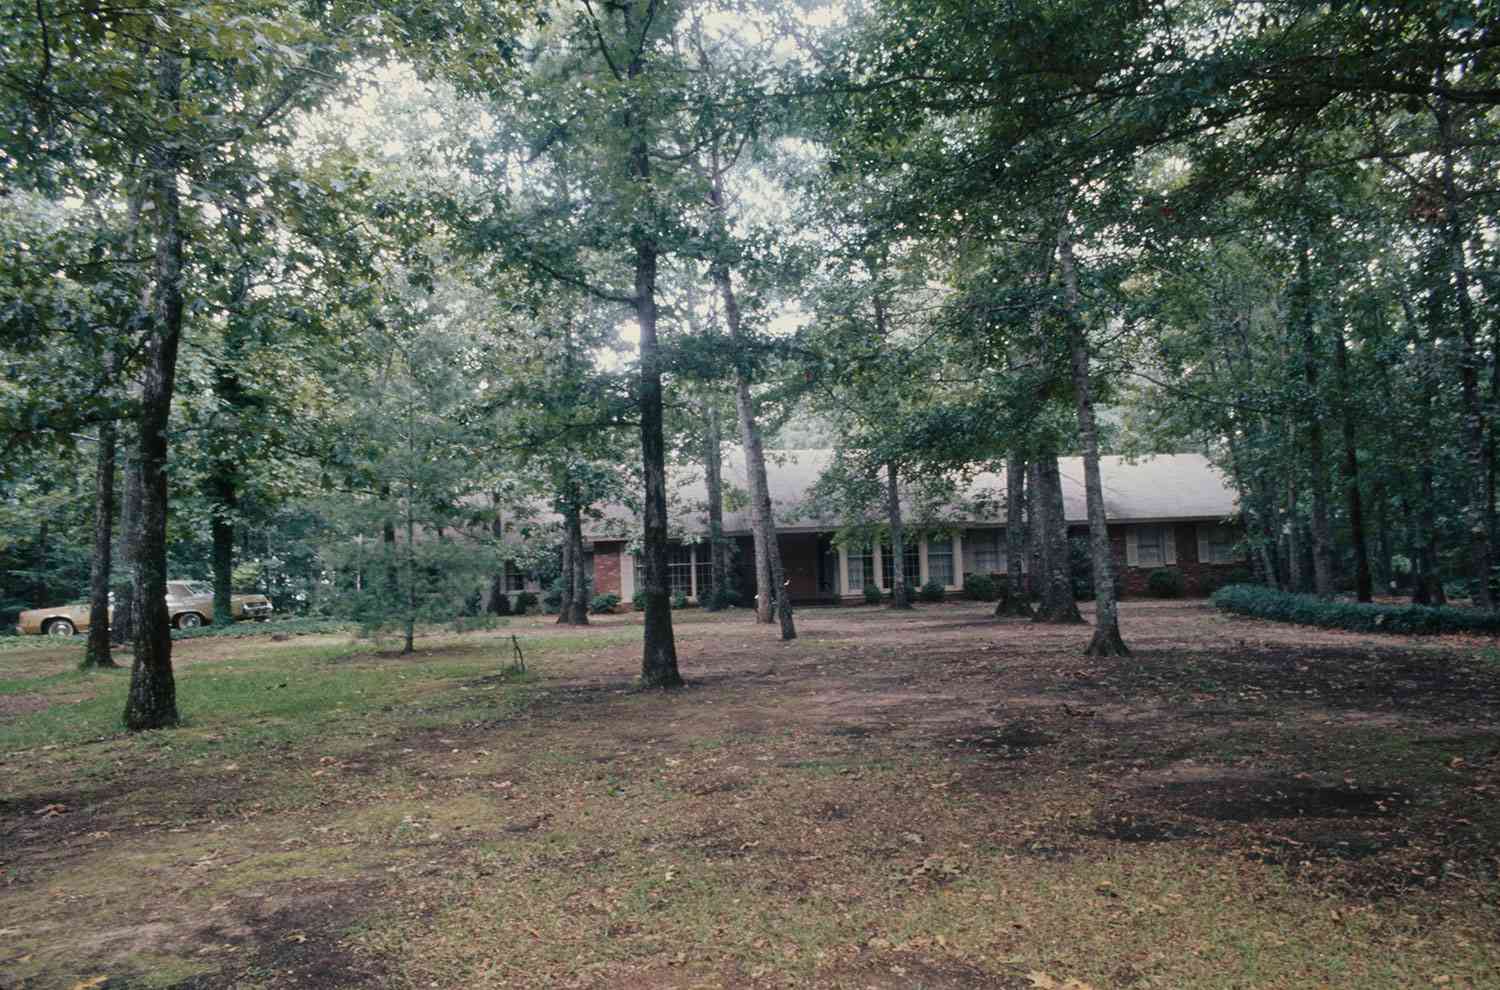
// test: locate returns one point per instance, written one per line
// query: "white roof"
(1151, 489)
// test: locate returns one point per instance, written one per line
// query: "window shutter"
(1132, 559)
(1203, 544)
(1169, 545)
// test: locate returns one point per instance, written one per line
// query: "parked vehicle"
(189, 603)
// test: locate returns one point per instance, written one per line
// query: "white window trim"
(1204, 531)
(1168, 544)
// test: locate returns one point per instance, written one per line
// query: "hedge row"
(289, 627)
(1306, 610)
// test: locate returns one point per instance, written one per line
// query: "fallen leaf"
(90, 984)
(298, 937)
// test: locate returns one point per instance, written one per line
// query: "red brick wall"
(1198, 578)
(799, 559)
(607, 567)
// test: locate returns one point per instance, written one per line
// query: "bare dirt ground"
(930, 799)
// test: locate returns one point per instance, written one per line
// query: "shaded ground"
(933, 799)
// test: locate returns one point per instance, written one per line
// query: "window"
(680, 570)
(1217, 545)
(1150, 546)
(515, 578)
(940, 561)
(913, 567)
(989, 550)
(861, 571)
(1149, 549)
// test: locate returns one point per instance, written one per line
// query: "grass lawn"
(933, 799)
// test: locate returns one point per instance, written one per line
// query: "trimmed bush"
(872, 594)
(524, 601)
(502, 604)
(603, 604)
(980, 588)
(638, 601)
(1306, 610)
(1165, 582)
(932, 591)
(722, 598)
(1215, 579)
(679, 600)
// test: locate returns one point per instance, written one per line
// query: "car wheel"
(189, 620)
(61, 627)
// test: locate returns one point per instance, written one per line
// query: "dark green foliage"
(1280, 606)
(638, 601)
(502, 604)
(603, 604)
(723, 598)
(1215, 579)
(932, 591)
(1164, 582)
(525, 600)
(872, 594)
(552, 599)
(285, 627)
(980, 587)
(679, 600)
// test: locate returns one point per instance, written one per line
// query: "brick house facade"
(1168, 512)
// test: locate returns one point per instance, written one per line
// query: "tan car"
(189, 603)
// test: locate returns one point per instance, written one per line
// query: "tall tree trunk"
(1297, 578)
(1429, 590)
(573, 610)
(122, 626)
(409, 643)
(496, 589)
(579, 575)
(1057, 604)
(1476, 504)
(1015, 602)
(1305, 319)
(152, 700)
(97, 653)
(900, 593)
(565, 576)
(1106, 641)
(388, 544)
(659, 645)
(762, 519)
(1036, 528)
(1382, 565)
(713, 473)
(1427, 581)
(224, 499)
(1362, 581)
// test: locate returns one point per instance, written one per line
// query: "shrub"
(932, 591)
(603, 604)
(679, 600)
(502, 604)
(1282, 606)
(524, 601)
(1217, 578)
(638, 601)
(872, 594)
(1164, 582)
(980, 588)
(552, 600)
(722, 598)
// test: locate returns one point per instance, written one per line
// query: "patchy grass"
(933, 799)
